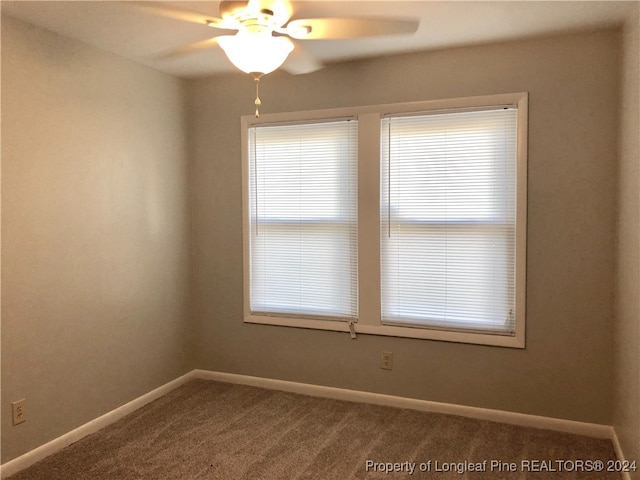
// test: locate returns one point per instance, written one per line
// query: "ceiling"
(142, 35)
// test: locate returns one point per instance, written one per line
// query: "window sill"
(516, 341)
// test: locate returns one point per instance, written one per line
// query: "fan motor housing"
(251, 21)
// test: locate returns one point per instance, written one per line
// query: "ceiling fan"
(258, 35)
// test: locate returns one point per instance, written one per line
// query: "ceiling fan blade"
(228, 25)
(301, 61)
(173, 12)
(188, 49)
(337, 28)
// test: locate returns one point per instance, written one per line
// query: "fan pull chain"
(257, 102)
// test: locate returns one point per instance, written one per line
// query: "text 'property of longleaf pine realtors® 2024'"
(500, 466)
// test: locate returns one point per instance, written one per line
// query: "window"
(402, 220)
(448, 220)
(303, 220)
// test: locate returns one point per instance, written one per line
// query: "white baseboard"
(57, 444)
(512, 418)
(520, 419)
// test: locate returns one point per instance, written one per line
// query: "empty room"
(320, 240)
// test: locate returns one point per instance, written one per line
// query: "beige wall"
(566, 369)
(95, 233)
(626, 412)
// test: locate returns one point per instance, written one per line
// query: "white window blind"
(448, 220)
(303, 220)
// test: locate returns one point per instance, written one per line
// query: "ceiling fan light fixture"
(256, 53)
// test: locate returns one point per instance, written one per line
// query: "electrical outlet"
(19, 411)
(386, 360)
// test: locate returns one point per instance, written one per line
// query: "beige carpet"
(211, 430)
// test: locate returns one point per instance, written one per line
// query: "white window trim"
(369, 316)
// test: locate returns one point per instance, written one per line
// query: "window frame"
(369, 292)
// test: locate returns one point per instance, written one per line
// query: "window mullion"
(369, 218)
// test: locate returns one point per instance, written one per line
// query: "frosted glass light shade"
(256, 52)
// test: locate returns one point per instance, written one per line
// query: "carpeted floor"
(211, 430)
